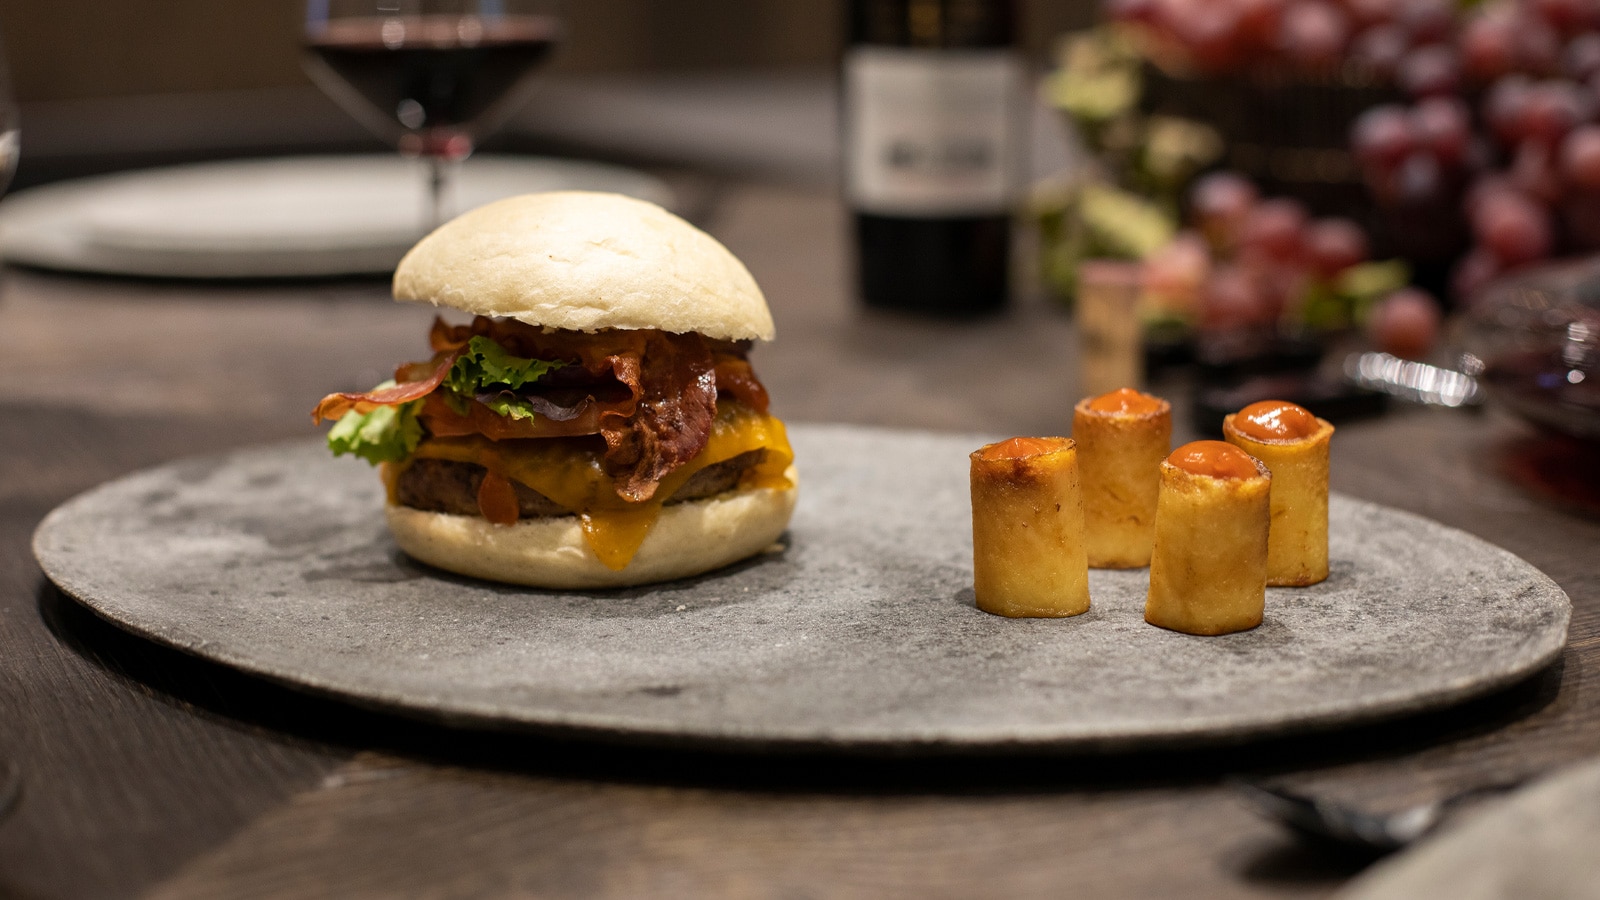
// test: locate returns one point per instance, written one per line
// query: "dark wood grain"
(148, 772)
(120, 783)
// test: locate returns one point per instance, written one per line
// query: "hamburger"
(597, 422)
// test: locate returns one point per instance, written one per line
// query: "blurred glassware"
(1110, 353)
(10, 146)
(433, 77)
(1410, 380)
(10, 142)
(1533, 340)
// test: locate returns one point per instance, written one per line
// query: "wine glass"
(429, 76)
(10, 776)
(10, 144)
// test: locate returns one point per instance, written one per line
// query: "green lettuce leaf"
(486, 366)
(510, 405)
(387, 434)
(391, 433)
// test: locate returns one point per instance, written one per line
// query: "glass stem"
(437, 176)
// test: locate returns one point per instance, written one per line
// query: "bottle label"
(932, 132)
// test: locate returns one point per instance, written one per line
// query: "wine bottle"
(932, 146)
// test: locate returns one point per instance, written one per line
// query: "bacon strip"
(334, 406)
(735, 377)
(444, 338)
(612, 383)
(442, 420)
(653, 417)
(673, 423)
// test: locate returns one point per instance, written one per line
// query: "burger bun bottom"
(688, 539)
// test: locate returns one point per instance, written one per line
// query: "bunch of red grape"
(1380, 38)
(1252, 263)
(1499, 147)
(1526, 173)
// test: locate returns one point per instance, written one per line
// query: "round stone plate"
(857, 632)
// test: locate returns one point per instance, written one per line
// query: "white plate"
(308, 216)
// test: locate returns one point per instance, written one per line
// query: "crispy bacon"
(651, 395)
(426, 381)
(736, 378)
(673, 423)
(443, 337)
(541, 404)
(442, 420)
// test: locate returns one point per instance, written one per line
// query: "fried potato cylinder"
(1122, 438)
(1028, 557)
(1294, 445)
(1208, 570)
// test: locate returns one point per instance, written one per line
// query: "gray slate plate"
(860, 634)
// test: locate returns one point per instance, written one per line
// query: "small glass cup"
(10, 142)
(1110, 345)
(1533, 340)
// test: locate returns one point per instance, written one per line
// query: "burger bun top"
(586, 261)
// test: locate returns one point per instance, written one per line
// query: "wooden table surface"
(147, 773)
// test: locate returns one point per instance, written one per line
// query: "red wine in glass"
(429, 83)
(434, 71)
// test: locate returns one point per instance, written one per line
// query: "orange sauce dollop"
(1214, 458)
(1125, 400)
(1022, 448)
(1275, 420)
(497, 499)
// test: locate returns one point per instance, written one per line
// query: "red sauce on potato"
(1275, 420)
(1215, 459)
(1022, 448)
(1125, 400)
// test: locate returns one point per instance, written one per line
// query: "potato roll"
(1122, 438)
(1208, 569)
(1027, 529)
(1294, 445)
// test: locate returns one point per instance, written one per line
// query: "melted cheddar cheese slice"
(571, 474)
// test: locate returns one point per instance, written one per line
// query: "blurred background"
(1278, 185)
(105, 86)
(1385, 210)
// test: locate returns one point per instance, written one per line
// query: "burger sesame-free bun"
(689, 538)
(584, 261)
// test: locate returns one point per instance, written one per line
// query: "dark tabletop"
(145, 772)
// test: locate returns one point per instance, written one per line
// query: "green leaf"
(1362, 286)
(1176, 148)
(1324, 309)
(1124, 224)
(486, 367)
(1094, 96)
(510, 405)
(1373, 279)
(387, 434)
(391, 433)
(1098, 78)
(487, 364)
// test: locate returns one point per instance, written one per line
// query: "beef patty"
(447, 486)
